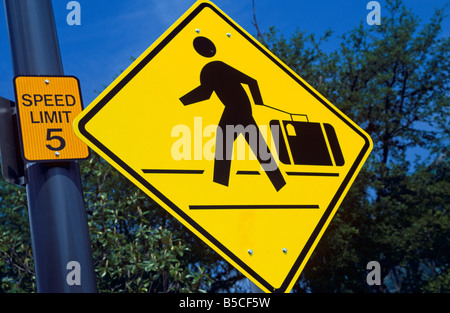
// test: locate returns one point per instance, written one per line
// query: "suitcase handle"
(291, 114)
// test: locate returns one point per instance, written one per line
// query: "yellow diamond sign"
(231, 142)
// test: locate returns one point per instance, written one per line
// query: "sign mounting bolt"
(250, 251)
(47, 82)
(57, 153)
(228, 35)
(197, 31)
(284, 250)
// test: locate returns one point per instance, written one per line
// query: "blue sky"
(112, 31)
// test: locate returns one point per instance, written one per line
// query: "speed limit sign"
(47, 106)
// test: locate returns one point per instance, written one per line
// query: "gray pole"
(58, 221)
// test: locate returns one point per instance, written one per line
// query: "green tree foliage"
(16, 258)
(393, 80)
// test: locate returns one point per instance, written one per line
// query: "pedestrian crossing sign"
(229, 140)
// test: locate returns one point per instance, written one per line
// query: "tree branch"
(259, 36)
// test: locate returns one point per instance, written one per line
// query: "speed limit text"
(45, 101)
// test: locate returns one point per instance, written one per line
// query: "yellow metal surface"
(141, 127)
(47, 106)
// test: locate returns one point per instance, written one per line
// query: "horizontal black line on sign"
(311, 174)
(243, 207)
(247, 173)
(290, 173)
(147, 171)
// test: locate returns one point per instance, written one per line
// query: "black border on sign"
(19, 124)
(189, 220)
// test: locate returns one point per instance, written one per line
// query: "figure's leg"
(222, 158)
(269, 165)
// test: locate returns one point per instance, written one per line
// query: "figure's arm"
(200, 93)
(254, 89)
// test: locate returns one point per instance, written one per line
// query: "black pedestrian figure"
(226, 81)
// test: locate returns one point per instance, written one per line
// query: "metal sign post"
(58, 221)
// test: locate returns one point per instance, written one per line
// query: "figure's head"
(204, 47)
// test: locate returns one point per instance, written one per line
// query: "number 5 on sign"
(46, 107)
(62, 142)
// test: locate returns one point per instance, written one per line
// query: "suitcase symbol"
(307, 143)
